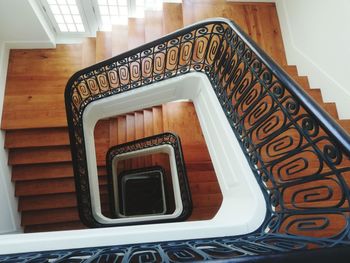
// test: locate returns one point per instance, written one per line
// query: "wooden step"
(345, 124)
(139, 134)
(172, 17)
(205, 188)
(203, 213)
(139, 125)
(113, 131)
(148, 122)
(51, 154)
(36, 137)
(136, 32)
(121, 129)
(316, 95)
(49, 201)
(40, 202)
(89, 52)
(207, 200)
(331, 109)
(157, 120)
(130, 127)
(102, 143)
(153, 25)
(36, 81)
(41, 187)
(46, 171)
(49, 216)
(199, 166)
(196, 153)
(54, 227)
(42, 171)
(103, 45)
(148, 131)
(201, 176)
(49, 186)
(119, 39)
(303, 82)
(34, 111)
(292, 70)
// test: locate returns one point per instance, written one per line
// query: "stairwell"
(35, 122)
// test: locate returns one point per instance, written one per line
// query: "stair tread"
(331, 108)
(103, 45)
(153, 25)
(204, 188)
(40, 76)
(49, 186)
(201, 176)
(157, 120)
(207, 200)
(119, 39)
(51, 154)
(36, 137)
(46, 171)
(292, 70)
(136, 32)
(345, 124)
(42, 171)
(172, 17)
(148, 122)
(34, 111)
(54, 227)
(89, 51)
(49, 201)
(130, 127)
(121, 129)
(58, 215)
(139, 125)
(101, 138)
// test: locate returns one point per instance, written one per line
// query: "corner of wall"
(9, 216)
(40, 15)
(332, 90)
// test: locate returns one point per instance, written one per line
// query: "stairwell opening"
(242, 209)
(179, 117)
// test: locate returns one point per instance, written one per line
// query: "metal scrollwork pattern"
(166, 138)
(299, 156)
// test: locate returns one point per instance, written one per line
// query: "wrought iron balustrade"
(147, 143)
(298, 154)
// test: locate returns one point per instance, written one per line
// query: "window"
(84, 17)
(112, 12)
(66, 15)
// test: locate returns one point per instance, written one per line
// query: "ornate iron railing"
(161, 139)
(299, 155)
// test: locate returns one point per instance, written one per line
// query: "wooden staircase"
(36, 128)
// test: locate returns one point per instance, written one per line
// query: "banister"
(297, 152)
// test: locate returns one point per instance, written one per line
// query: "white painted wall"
(316, 36)
(9, 217)
(22, 24)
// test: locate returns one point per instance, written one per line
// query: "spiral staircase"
(296, 151)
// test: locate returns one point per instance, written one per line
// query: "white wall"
(316, 36)
(9, 217)
(22, 24)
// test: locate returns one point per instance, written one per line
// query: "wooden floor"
(35, 122)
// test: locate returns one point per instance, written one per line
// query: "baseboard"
(9, 216)
(332, 91)
(29, 44)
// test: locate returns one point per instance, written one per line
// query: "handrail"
(297, 152)
(309, 103)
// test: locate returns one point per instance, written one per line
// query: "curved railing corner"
(298, 154)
